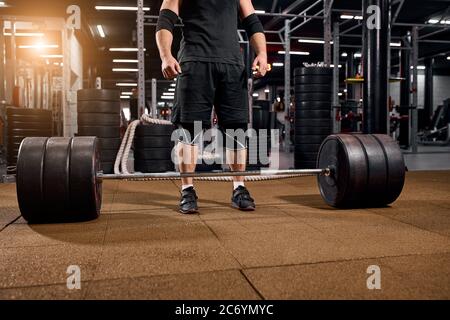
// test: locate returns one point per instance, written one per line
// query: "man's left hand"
(260, 66)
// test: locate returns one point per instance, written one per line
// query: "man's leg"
(236, 159)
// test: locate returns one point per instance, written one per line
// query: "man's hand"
(260, 66)
(170, 67)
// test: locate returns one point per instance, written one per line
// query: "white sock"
(185, 186)
(238, 184)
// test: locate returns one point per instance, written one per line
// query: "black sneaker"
(241, 199)
(188, 202)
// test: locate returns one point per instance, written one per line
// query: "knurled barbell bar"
(59, 179)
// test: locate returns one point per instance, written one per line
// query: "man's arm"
(164, 37)
(257, 40)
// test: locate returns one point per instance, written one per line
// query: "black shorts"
(202, 85)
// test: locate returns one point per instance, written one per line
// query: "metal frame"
(141, 58)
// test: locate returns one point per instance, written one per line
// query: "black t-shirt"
(210, 31)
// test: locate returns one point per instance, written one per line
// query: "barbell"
(59, 179)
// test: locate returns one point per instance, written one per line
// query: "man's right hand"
(170, 67)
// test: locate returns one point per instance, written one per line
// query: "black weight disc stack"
(313, 92)
(22, 123)
(99, 116)
(153, 148)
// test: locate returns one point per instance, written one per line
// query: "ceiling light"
(310, 41)
(340, 94)
(24, 34)
(357, 55)
(171, 90)
(419, 67)
(395, 44)
(101, 32)
(433, 21)
(278, 64)
(448, 58)
(344, 54)
(168, 94)
(124, 70)
(51, 56)
(346, 16)
(332, 66)
(125, 61)
(255, 95)
(128, 93)
(173, 85)
(267, 91)
(167, 97)
(300, 53)
(119, 8)
(124, 97)
(123, 84)
(39, 46)
(260, 11)
(358, 17)
(124, 49)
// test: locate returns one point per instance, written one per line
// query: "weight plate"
(112, 107)
(313, 96)
(307, 147)
(306, 123)
(300, 139)
(85, 189)
(303, 88)
(55, 179)
(99, 131)
(29, 182)
(30, 132)
(98, 95)
(313, 71)
(313, 105)
(28, 112)
(395, 167)
(109, 143)
(153, 142)
(153, 166)
(313, 130)
(30, 125)
(107, 167)
(153, 154)
(301, 164)
(305, 156)
(375, 194)
(108, 155)
(45, 118)
(98, 119)
(344, 155)
(313, 114)
(154, 130)
(298, 80)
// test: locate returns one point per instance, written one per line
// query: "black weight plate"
(98, 119)
(313, 71)
(29, 185)
(85, 188)
(28, 112)
(153, 166)
(107, 167)
(109, 107)
(145, 130)
(395, 167)
(153, 154)
(30, 132)
(313, 96)
(377, 171)
(307, 147)
(303, 88)
(306, 123)
(55, 177)
(313, 130)
(153, 142)
(109, 143)
(108, 155)
(99, 131)
(313, 105)
(300, 164)
(98, 95)
(298, 80)
(345, 187)
(313, 114)
(30, 125)
(45, 118)
(300, 139)
(305, 156)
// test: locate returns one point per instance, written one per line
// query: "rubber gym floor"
(293, 247)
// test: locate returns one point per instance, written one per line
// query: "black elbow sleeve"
(252, 25)
(166, 20)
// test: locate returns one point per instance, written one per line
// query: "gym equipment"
(306, 88)
(353, 171)
(99, 119)
(98, 95)
(107, 107)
